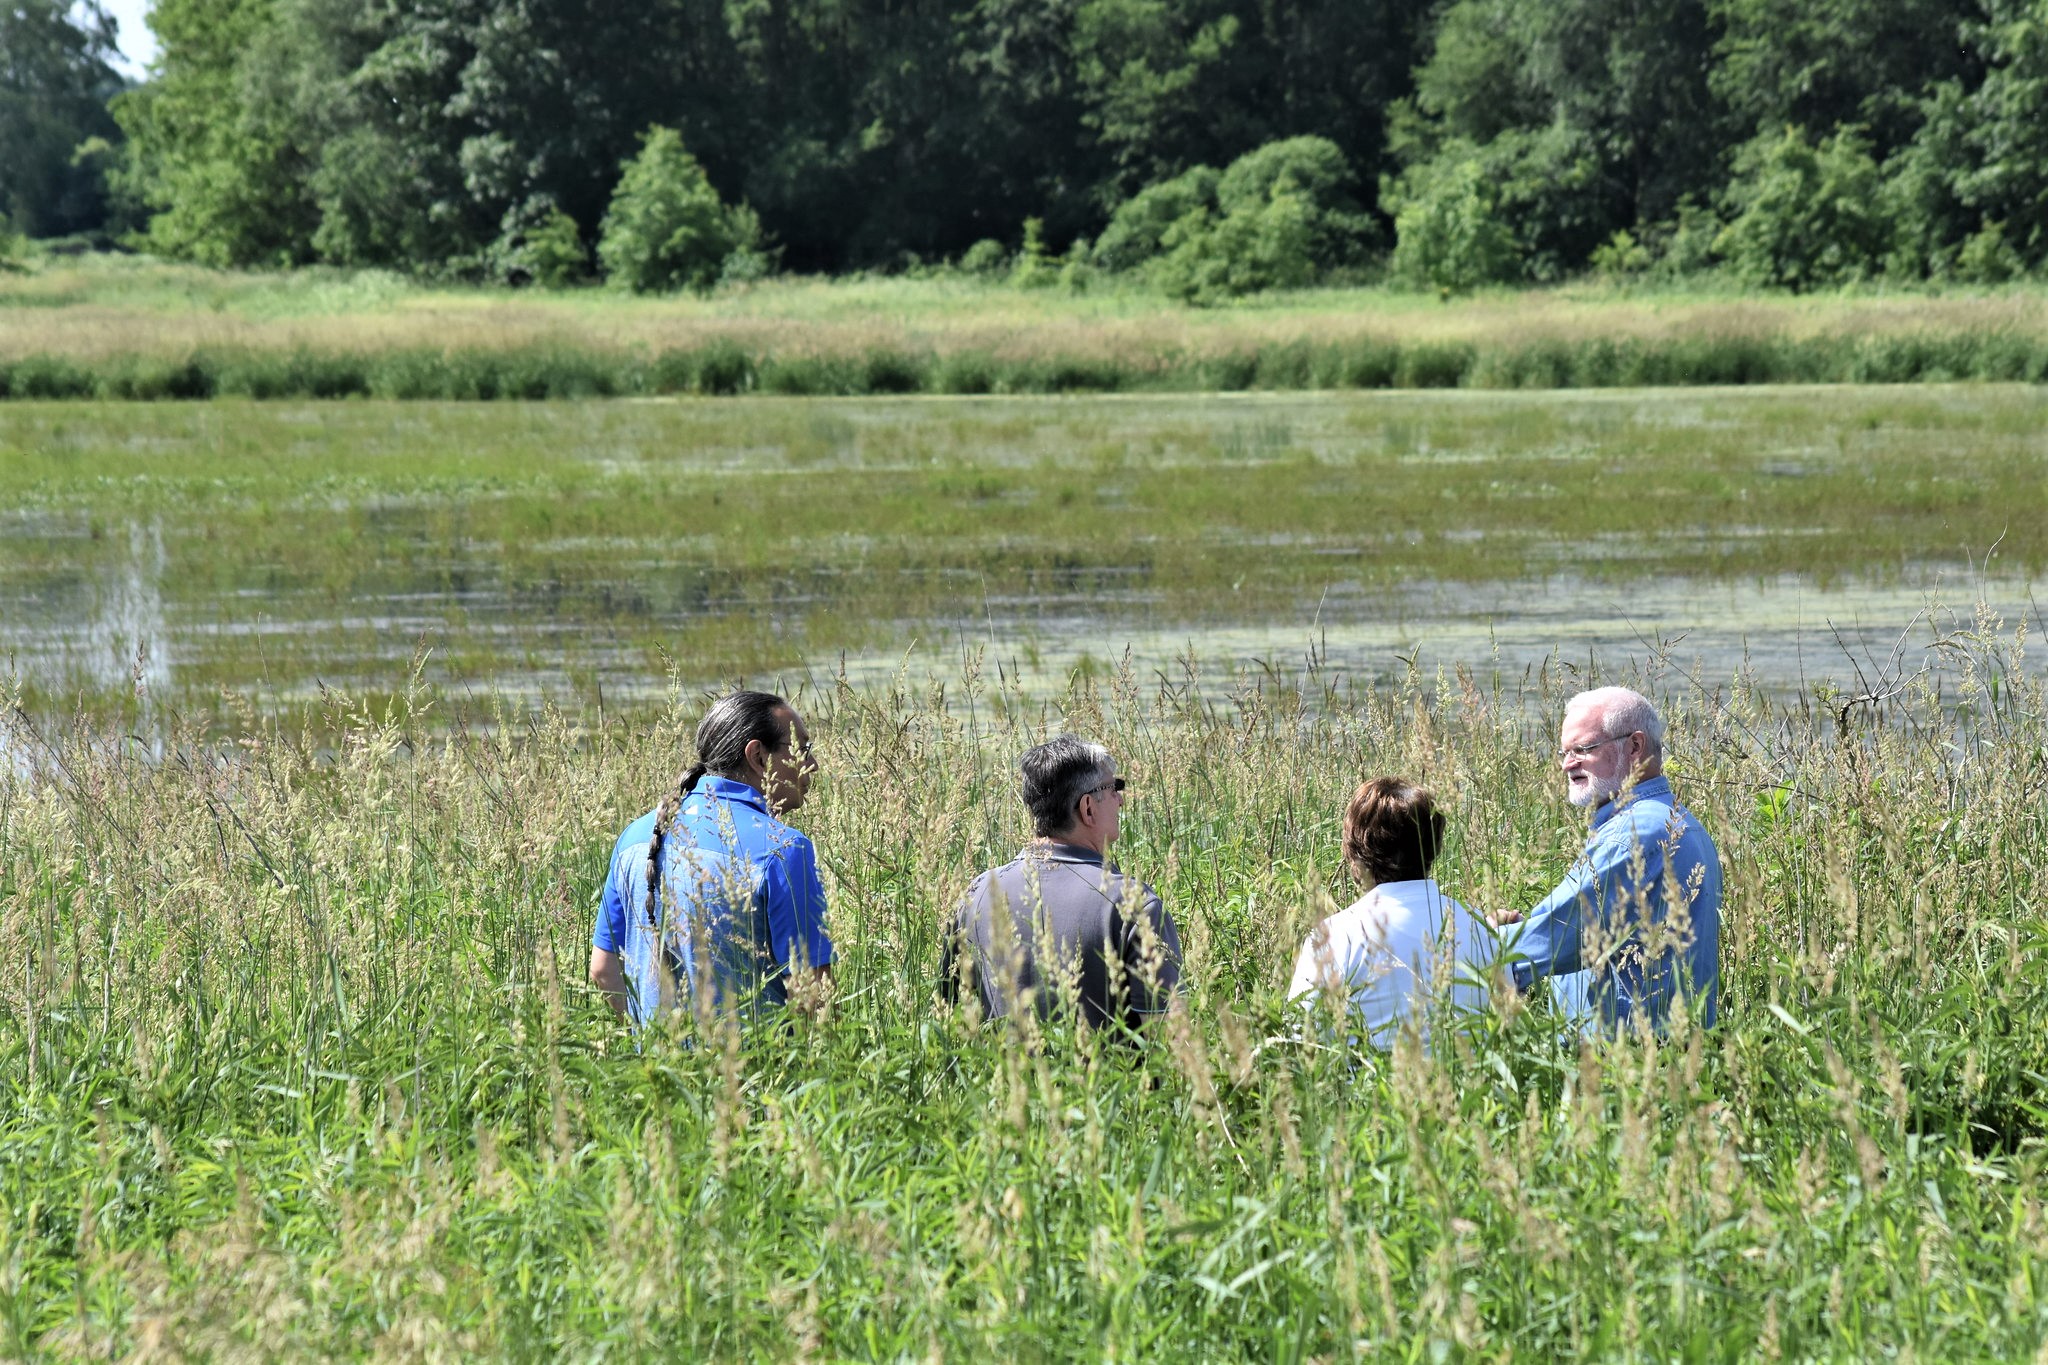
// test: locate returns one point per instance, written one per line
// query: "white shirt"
(1384, 951)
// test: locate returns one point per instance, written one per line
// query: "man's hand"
(810, 990)
(1501, 918)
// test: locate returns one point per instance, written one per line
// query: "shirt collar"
(1658, 787)
(725, 789)
(1056, 852)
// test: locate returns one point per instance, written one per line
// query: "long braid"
(671, 806)
(664, 819)
(722, 738)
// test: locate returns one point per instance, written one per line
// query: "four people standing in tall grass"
(711, 899)
(713, 895)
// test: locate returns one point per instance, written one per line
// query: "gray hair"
(1622, 712)
(1056, 775)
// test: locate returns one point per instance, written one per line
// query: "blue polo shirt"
(1639, 912)
(741, 902)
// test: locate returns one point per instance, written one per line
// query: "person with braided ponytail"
(711, 899)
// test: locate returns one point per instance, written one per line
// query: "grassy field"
(297, 1061)
(260, 548)
(127, 328)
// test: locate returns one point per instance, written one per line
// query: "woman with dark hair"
(1404, 938)
(713, 876)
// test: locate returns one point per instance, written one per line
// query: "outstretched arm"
(1552, 931)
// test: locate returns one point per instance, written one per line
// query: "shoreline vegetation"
(135, 330)
(300, 1062)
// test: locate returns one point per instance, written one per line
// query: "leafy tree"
(1807, 214)
(1447, 225)
(211, 151)
(1147, 67)
(1171, 84)
(553, 254)
(667, 228)
(1830, 63)
(1594, 115)
(1975, 179)
(55, 79)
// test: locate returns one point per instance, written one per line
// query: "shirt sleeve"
(1549, 941)
(952, 946)
(1151, 958)
(610, 934)
(1553, 943)
(1313, 963)
(796, 906)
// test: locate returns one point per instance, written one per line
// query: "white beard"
(1593, 793)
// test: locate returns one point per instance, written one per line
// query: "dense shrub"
(1448, 231)
(1806, 214)
(553, 254)
(13, 247)
(667, 229)
(1137, 231)
(986, 257)
(1310, 176)
(1276, 218)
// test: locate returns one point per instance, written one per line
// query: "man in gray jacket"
(1059, 926)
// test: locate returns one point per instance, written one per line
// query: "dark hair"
(1392, 830)
(733, 722)
(1056, 775)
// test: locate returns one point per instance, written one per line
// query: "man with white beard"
(1639, 912)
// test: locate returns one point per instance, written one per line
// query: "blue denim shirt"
(1639, 911)
(741, 902)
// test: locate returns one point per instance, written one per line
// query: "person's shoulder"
(1689, 822)
(638, 834)
(977, 892)
(1466, 918)
(1644, 815)
(1364, 918)
(1125, 889)
(990, 876)
(773, 838)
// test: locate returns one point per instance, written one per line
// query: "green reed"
(727, 367)
(298, 1059)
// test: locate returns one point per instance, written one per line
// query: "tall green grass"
(297, 1060)
(727, 367)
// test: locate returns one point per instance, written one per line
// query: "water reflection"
(101, 611)
(94, 620)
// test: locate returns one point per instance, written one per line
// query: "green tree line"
(1215, 146)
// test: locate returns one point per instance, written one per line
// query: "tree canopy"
(55, 80)
(1797, 142)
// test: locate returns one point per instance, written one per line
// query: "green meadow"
(584, 550)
